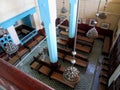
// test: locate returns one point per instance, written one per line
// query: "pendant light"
(10, 47)
(63, 10)
(71, 73)
(103, 14)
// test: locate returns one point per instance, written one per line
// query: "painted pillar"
(13, 34)
(48, 16)
(72, 18)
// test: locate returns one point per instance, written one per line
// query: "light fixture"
(102, 15)
(71, 73)
(92, 33)
(10, 47)
(63, 10)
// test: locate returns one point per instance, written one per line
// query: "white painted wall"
(11, 8)
(116, 34)
(88, 10)
(13, 34)
(114, 75)
(36, 17)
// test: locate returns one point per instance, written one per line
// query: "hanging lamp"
(63, 10)
(103, 14)
(10, 47)
(92, 33)
(71, 73)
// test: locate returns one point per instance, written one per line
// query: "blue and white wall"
(11, 9)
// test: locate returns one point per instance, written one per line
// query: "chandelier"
(103, 14)
(71, 73)
(92, 33)
(10, 47)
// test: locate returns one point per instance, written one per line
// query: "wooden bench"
(105, 67)
(64, 33)
(105, 62)
(85, 39)
(64, 50)
(44, 70)
(79, 62)
(81, 32)
(13, 59)
(106, 46)
(100, 37)
(35, 65)
(62, 42)
(104, 73)
(59, 77)
(103, 80)
(83, 48)
(39, 38)
(44, 62)
(63, 27)
(78, 55)
(61, 55)
(25, 31)
(31, 44)
(22, 51)
(68, 52)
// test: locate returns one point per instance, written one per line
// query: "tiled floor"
(86, 75)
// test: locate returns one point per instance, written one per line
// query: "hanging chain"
(74, 51)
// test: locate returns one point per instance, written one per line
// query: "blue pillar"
(48, 16)
(72, 18)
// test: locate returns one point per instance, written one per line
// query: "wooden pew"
(63, 27)
(39, 38)
(103, 80)
(81, 32)
(44, 70)
(105, 67)
(63, 50)
(13, 59)
(59, 77)
(31, 44)
(106, 46)
(22, 51)
(62, 42)
(68, 52)
(79, 62)
(35, 65)
(100, 37)
(83, 48)
(61, 55)
(85, 39)
(104, 73)
(64, 33)
(81, 56)
(44, 62)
